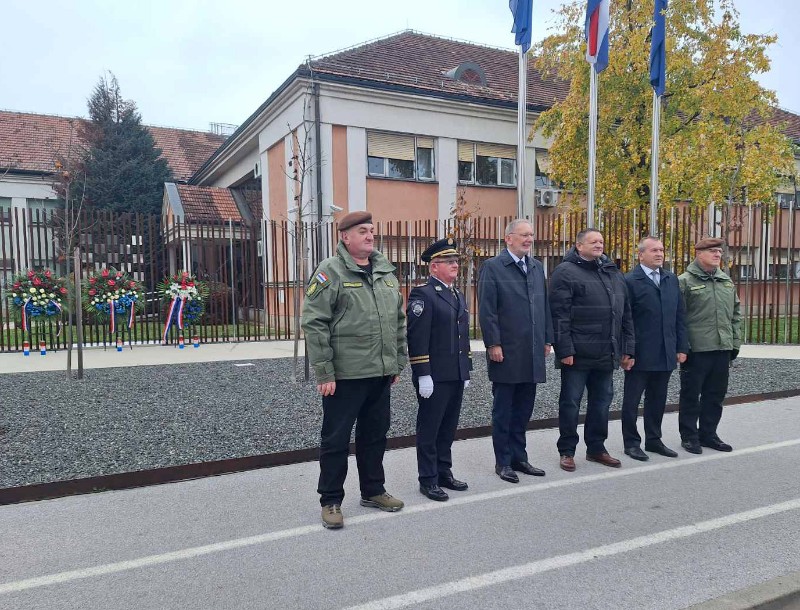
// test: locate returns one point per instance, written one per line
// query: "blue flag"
(658, 48)
(522, 11)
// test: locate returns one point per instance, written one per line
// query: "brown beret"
(708, 242)
(352, 219)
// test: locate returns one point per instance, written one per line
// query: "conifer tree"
(124, 171)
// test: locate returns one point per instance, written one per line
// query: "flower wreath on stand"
(185, 299)
(113, 297)
(39, 296)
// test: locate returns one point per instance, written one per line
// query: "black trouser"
(511, 411)
(654, 385)
(600, 391)
(364, 402)
(437, 420)
(704, 383)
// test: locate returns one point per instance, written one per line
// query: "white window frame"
(420, 143)
(497, 160)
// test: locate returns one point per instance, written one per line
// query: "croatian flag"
(658, 48)
(596, 31)
(522, 11)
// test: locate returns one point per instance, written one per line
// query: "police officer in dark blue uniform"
(440, 358)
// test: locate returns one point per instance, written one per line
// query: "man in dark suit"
(661, 343)
(438, 336)
(514, 315)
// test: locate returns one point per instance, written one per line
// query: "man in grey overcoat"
(514, 316)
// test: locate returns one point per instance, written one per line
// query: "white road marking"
(228, 545)
(527, 570)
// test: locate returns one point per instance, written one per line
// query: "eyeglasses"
(714, 250)
(525, 235)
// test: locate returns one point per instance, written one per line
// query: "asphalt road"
(666, 534)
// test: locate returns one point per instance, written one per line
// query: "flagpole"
(654, 164)
(592, 143)
(522, 133)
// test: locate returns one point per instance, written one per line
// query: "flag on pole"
(522, 11)
(658, 48)
(596, 31)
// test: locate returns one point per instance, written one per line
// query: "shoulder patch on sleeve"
(417, 307)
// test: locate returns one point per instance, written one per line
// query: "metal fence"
(254, 277)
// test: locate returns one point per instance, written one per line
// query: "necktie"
(521, 265)
(656, 279)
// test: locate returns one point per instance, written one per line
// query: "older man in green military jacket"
(713, 322)
(354, 325)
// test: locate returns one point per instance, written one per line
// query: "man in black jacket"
(515, 322)
(661, 343)
(593, 332)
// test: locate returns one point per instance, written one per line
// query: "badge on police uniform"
(417, 307)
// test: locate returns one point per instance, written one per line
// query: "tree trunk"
(78, 311)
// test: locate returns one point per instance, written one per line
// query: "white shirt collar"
(648, 271)
(440, 281)
(515, 257)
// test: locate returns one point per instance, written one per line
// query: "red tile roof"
(415, 61)
(208, 203)
(32, 142)
(788, 121)
(420, 61)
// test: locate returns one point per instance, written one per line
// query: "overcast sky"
(187, 63)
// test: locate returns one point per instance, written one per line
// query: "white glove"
(466, 383)
(426, 386)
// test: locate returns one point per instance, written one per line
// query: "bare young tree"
(69, 182)
(462, 230)
(303, 165)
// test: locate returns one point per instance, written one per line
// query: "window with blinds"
(487, 164)
(401, 156)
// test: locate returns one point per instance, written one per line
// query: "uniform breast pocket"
(345, 322)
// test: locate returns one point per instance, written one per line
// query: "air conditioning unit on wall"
(547, 198)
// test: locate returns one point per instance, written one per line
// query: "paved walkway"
(97, 357)
(664, 534)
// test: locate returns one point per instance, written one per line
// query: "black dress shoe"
(526, 468)
(637, 454)
(434, 492)
(661, 449)
(716, 443)
(507, 474)
(452, 483)
(692, 446)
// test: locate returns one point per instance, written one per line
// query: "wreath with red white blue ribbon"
(38, 295)
(184, 297)
(110, 294)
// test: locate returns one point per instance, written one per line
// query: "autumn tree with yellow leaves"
(717, 143)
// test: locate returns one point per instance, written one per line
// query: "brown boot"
(567, 462)
(332, 517)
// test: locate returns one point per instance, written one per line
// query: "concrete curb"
(781, 593)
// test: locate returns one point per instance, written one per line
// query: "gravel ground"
(121, 420)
